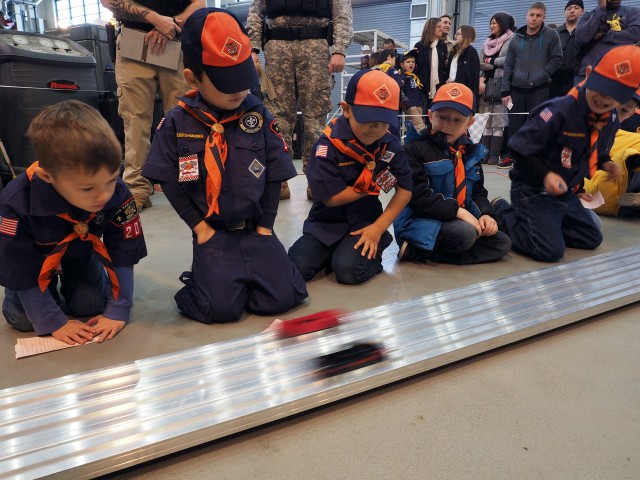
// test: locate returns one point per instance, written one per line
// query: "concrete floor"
(561, 405)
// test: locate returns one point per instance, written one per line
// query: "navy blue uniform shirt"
(556, 138)
(257, 154)
(331, 174)
(411, 90)
(31, 207)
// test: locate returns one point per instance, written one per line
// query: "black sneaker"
(409, 253)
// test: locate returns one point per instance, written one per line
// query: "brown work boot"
(285, 193)
(142, 201)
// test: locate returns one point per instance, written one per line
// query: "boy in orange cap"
(355, 159)
(221, 160)
(563, 141)
(449, 218)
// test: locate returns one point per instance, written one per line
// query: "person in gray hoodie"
(534, 54)
(606, 26)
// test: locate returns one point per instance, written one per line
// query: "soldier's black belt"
(296, 33)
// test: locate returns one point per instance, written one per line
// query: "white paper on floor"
(27, 347)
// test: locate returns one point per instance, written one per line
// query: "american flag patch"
(321, 151)
(8, 226)
(546, 115)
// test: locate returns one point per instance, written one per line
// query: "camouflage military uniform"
(298, 68)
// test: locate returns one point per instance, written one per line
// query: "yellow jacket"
(624, 145)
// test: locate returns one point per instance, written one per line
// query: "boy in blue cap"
(355, 158)
(563, 141)
(54, 219)
(449, 218)
(221, 160)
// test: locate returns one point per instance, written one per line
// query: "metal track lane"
(88, 424)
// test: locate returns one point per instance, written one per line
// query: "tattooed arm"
(129, 10)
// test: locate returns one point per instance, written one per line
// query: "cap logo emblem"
(382, 93)
(622, 68)
(232, 48)
(454, 93)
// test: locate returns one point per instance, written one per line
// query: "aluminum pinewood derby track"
(93, 423)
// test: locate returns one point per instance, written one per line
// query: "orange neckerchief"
(460, 174)
(81, 231)
(596, 122)
(354, 149)
(215, 151)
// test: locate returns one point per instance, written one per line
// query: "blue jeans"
(351, 268)
(458, 243)
(541, 226)
(84, 285)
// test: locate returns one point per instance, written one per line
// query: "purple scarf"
(491, 46)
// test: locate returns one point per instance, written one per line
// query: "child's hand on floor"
(74, 331)
(105, 327)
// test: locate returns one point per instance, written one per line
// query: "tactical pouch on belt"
(330, 34)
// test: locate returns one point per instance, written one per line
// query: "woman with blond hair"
(431, 61)
(463, 64)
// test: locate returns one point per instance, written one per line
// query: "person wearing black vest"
(304, 43)
(138, 82)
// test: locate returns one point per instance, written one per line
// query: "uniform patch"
(623, 68)
(276, 129)
(132, 229)
(256, 168)
(125, 213)
(232, 48)
(565, 157)
(188, 169)
(251, 122)
(386, 180)
(9, 226)
(382, 93)
(386, 158)
(99, 218)
(546, 115)
(321, 151)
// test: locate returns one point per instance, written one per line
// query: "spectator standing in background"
(463, 65)
(138, 82)
(446, 30)
(431, 61)
(296, 41)
(562, 80)
(492, 57)
(390, 44)
(606, 26)
(533, 56)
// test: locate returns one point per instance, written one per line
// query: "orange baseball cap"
(456, 96)
(216, 38)
(616, 73)
(374, 97)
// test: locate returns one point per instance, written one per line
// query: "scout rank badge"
(188, 170)
(386, 180)
(565, 157)
(251, 122)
